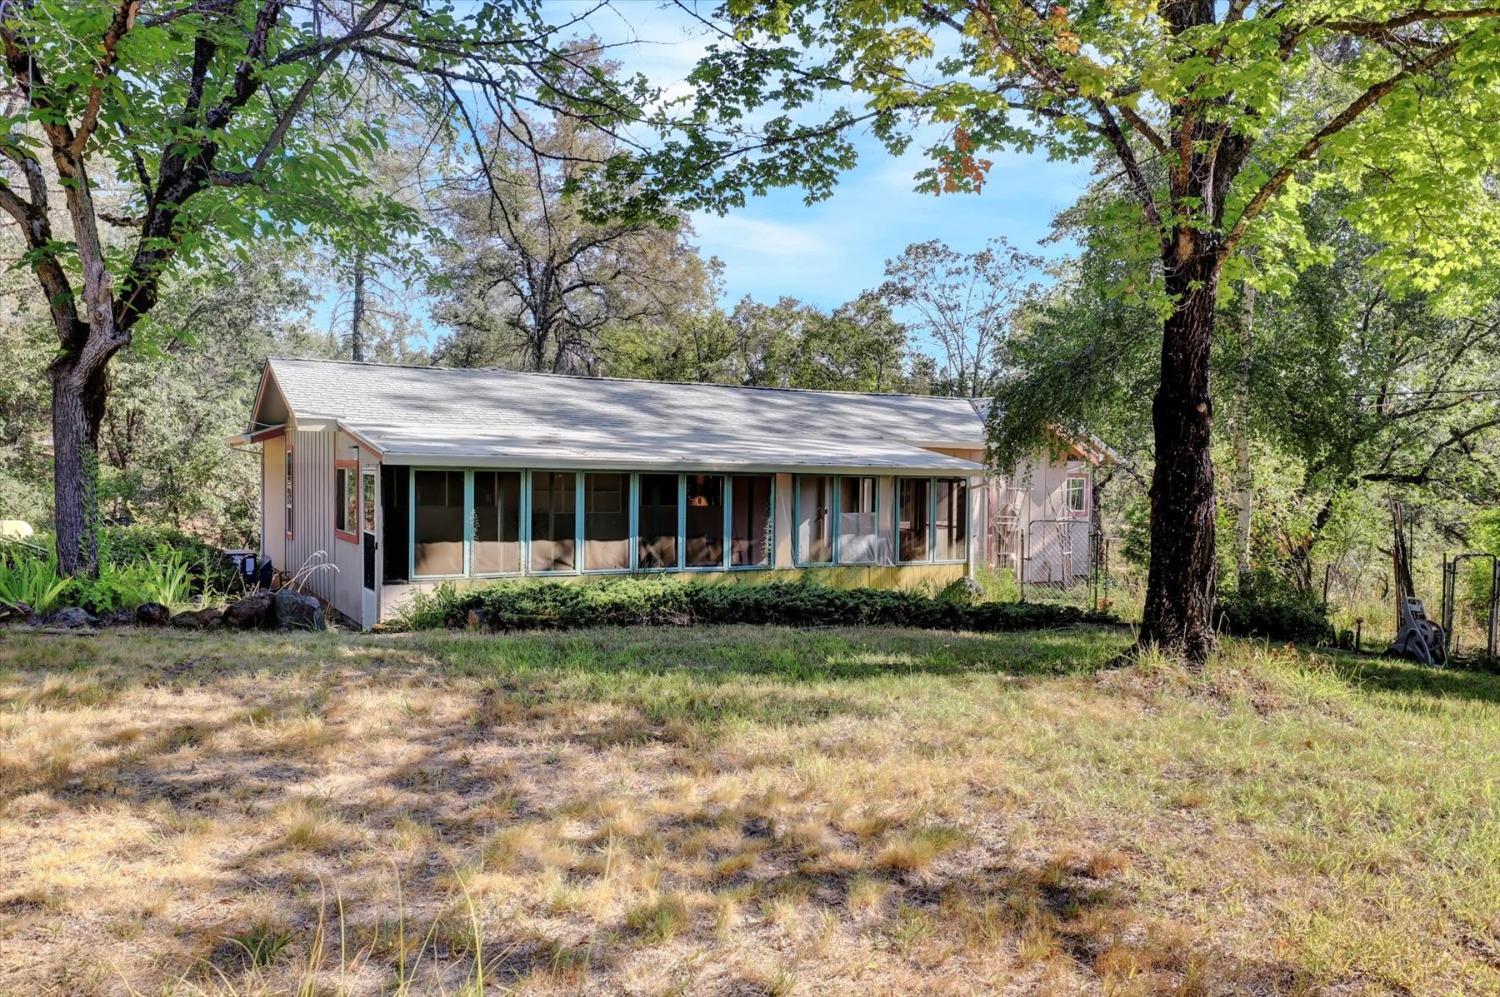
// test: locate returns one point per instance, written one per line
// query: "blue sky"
(831, 251)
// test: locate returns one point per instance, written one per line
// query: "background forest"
(1338, 389)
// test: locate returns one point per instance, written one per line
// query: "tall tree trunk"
(357, 316)
(1180, 585)
(78, 400)
(1244, 481)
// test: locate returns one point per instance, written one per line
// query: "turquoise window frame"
(896, 523)
(577, 523)
(635, 518)
(933, 527)
(770, 564)
(838, 532)
(631, 484)
(726, 498)
(411, 522)
(523, 510)
(797, 561)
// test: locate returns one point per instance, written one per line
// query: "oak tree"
(1208, 113)
(138, 135)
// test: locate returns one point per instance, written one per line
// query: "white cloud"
(751, 237)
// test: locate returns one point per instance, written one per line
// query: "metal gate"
(1063, 556)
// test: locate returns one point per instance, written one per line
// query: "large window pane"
(912, 498)
(952, 519)
(705, 520)
(751, 536)
(497, 522)
(658, 540)
(438, 523)
(859, 539)
(554, 520)
(814, 518)
(606, 521)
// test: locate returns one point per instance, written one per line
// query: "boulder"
(152, 614)
(297, 611)
(255, 611)
(197, 619)
(70, 618)
(117, 618)
(15, 612)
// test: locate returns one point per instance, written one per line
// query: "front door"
(369, 509)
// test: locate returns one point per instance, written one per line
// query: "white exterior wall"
(1031, 513)
(273, 501)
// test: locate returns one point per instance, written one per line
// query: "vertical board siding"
(312, 539)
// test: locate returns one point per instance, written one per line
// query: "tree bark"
(1180, 586)
(357, 319)
(78, 400)
(1244, 480)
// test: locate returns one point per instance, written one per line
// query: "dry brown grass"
(737, 811)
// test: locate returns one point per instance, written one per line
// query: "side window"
(1077, 496)
(288, 522)
(345, 503)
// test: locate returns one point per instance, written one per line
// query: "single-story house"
(403, 478)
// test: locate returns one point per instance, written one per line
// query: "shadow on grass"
(1390, 675)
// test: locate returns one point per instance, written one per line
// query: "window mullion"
(578, 479)
(681, 521)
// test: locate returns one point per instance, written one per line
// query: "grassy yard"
(736, 811)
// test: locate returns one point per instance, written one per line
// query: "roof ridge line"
(627, 380)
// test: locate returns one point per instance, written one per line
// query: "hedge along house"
(405, 478)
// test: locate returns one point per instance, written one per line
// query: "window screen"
(369, 501)
(554, 520)
(606, 521)
(497, 522)
(952, 519)
(658, 539)
(705, 520)
(438, 538)
(814, 519)
(913, 498)
(859, 538)
(751, 533)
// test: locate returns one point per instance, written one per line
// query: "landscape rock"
(117, 618)
(70, 618)
(15, 613)
(296, 611)
(255, 611)
(197, 619)
(152, 614)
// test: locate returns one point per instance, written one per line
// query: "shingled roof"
(498, 417)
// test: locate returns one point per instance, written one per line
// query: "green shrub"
(208, 570)
(530, 605)
(166, 580)
(1269, 606)
(29, 580)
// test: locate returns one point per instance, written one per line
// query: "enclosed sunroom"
(405, 478)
